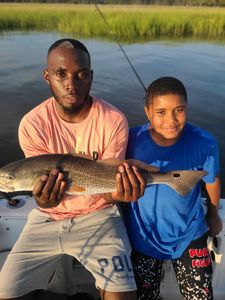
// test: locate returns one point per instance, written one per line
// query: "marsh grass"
(128, 23)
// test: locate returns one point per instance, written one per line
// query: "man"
(87, 227)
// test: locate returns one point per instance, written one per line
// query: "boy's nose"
(171, 116)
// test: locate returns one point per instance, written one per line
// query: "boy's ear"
(147, 112)
(45, 75)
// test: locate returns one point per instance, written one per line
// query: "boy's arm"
(212, 191)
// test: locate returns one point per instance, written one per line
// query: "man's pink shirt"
(104, 131)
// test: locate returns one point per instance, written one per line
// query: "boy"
(162, 224)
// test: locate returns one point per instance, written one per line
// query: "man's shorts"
(98, 240)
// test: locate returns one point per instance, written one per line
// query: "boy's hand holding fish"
(130, 184)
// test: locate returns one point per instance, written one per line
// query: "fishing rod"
(120, 46)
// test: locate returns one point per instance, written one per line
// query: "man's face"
(69, 77)
(167, 114)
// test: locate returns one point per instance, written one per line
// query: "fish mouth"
(6, 188)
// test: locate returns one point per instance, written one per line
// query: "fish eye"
(10, 176)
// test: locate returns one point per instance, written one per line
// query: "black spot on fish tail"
(185, 180)
(176, 175)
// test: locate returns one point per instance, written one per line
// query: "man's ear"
(91, 75)
(45, 75)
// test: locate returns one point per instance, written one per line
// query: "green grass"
(128, 23)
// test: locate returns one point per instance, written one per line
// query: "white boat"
(70, 273)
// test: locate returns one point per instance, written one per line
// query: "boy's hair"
(69, 43)
(163, 86)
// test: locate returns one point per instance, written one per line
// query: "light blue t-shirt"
(162, 223)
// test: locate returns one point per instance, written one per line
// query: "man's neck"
(76, 116)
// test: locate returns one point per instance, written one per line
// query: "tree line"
(138, 2)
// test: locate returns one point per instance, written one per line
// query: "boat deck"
(12, 220)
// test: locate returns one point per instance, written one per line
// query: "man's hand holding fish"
(49, 190)
(130, 185)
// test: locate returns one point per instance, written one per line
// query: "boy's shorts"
(98, 240)
(193, 272)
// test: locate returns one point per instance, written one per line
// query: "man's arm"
(130, 183)
(212, 193)
(31, 141)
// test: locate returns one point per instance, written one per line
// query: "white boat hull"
(12, 220)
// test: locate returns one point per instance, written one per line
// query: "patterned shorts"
(193, 272)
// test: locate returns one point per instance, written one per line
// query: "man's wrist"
(108, 197)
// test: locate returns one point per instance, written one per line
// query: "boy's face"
(167, 114)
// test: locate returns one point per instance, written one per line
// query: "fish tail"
(184, 181)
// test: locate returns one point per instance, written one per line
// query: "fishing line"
(121, 48)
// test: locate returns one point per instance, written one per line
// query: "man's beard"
(73, 110)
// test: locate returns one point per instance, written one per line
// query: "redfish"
(88, 177)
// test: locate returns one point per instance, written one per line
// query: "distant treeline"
(138, 2)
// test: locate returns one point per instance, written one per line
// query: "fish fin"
(185, 180)
(112, 161)
(81, 155)
(141, 165)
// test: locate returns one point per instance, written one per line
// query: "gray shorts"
(97, 240)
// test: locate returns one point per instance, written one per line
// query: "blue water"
(200, 65)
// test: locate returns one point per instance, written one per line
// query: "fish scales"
(85, 176)
(90, 177)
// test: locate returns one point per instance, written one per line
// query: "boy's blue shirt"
(162, 223)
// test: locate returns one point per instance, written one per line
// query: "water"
(200, 66)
